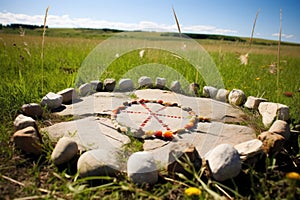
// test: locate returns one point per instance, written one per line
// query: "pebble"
(224, 162)
(97, 85)
(109, 84)
(194, 88)
(282, 128)
(210, 92)
(270, 111)
(272, 142)
(52, 100)
(145, 81)
(85, 89)
(236, 97)
(98, 162)
(249, 149)
(253, 102)
(142, 169)
(175, 154)
(176, 87)
(64, 151)
(160, 83)
(28, 141)
(68, 95)
(22, 121)
(126, 85)
(222, 95)
(32, 110)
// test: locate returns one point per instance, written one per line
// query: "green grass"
(22, 80)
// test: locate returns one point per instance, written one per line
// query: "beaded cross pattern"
(154, 118)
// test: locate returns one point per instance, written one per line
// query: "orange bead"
(168, 134)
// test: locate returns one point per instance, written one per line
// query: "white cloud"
(65, 21)
(287, 36)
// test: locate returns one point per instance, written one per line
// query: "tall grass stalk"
(253, 27)
(278, 55)
(43, 44)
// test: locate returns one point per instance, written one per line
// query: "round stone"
(141, 168)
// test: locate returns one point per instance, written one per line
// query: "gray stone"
(32, 110)
(126, 85)
(175, 87)
(253, 102)
(237, 97)
(109, 84)
(160, 83)
(145, 81)
(223, 162)
(97, 85)
(141, 168)
(85, 89)
(210, 92)
(98, 162)
(23, 121)
(177, 157)
(272, 142)
(68, 95)
(52, 100)
(28, 141)
(282, 128)
(222, 95)
(64, 151)
(249, 148)
(270, 111)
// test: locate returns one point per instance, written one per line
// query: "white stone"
(160, 82)
(282, 128)
(224, 162)
(23, 121)
(98, 162)
(68, 95)
(222, 95)
(270, 111)
(85, 89)
(52, 100)
(253, 102)
(236, 97)
(141, 168)
(175, 86)
(126, 84)
(249, 148)
(145, 81)
(64, 151)
(209, 91)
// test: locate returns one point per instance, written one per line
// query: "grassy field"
(25, 78)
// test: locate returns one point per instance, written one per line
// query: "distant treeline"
(206, 36)
(26, 26)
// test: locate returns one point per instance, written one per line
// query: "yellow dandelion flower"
(257, 78)
(293, 175)
(192, 191)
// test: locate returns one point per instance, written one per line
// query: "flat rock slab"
(105, 102)
(205, 107)
(89, 133)
(205, 137)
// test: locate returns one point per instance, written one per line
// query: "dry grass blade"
(253, 27)
(278, 55)
(177, 22)
(43, 44)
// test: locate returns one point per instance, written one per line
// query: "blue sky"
(229, 17)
